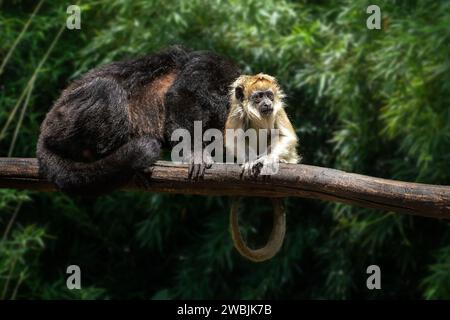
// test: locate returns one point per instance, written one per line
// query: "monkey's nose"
(266, 109)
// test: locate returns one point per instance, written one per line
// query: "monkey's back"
(111, 104)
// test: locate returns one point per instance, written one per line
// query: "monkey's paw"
(271, 165)
(198, 165)
(265, 166)
(251, 169)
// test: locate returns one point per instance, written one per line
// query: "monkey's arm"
(284, 148)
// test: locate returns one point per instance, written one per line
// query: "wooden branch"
(291, 181)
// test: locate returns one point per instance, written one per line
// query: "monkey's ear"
(239, 93)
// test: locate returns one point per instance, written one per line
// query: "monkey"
(109, 126)
(257, 103)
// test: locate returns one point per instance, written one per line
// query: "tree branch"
(291, 181)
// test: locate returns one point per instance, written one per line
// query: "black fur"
(113, 121)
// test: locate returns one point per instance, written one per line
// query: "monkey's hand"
(198, 163)
(266, 165)
(270, 165)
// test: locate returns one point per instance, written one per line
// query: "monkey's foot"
(198, 165)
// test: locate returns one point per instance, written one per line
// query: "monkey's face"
(257, 97)
(263, 101)
(260, 102)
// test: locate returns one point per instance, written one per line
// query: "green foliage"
(19, 258)
(375, 102)
(437, 284)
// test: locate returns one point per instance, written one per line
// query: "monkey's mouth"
(266, 111)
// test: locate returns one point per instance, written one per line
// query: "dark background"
(374, 102)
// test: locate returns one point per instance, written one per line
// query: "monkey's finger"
(244, 171)
(241, 175)
(191, 170)
(202, 170)
(256, 169)
(196, 172)
(253, 171)
(208, 161)
(248, 171)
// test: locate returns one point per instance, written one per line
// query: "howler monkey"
(111, 124)
(257, 103)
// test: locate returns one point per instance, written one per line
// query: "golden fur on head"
(244, 115)
(249, 84)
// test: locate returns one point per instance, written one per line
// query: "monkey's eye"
(257, 96)
(270, 95)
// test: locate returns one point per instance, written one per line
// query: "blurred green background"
(374, 102)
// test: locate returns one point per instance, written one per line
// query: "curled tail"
(100, 176)
(276, 237)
